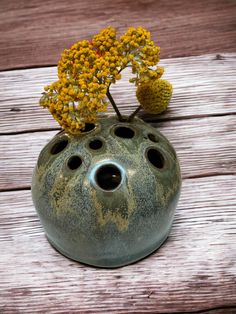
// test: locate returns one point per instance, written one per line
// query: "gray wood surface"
(195, 270)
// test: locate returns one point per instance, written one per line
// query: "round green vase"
(107, 197)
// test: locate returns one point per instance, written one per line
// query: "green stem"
(134, 114)
(114, 105)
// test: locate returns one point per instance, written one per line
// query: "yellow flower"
(86, 70)
(154, 96)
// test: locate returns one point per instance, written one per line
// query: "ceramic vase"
(107, 197)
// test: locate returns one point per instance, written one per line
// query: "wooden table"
(195, 270)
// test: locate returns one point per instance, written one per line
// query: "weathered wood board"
(33, 33)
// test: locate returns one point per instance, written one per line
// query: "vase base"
(111, 263)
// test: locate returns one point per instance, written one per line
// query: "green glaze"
(100, 227)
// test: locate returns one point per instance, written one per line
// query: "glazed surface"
(108, 226)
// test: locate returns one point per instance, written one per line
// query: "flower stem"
(134, 113)
(114, 105)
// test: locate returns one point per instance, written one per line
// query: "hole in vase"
(96, 144)
(124, 132)
(108, 177)
(88, 127)
(156, 158)
(59, 146)
(152, 137)
(74, 162)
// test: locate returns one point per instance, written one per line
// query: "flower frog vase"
(106, 189)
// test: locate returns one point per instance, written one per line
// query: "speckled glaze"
(100, 227)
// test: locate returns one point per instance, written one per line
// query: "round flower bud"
(154, 96)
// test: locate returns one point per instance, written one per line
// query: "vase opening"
(108, 177)
(88, 127)
(124, 132)
(96, 144)
(156, 158)
(152, 137)
(74, 162)
(59, 146)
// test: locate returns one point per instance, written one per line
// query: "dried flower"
(154, 96)
(86, 70)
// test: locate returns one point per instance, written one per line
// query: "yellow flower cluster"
(86, 70)
(154, 96)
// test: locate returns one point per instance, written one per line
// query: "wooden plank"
(194, 270)
(205, 147)
(203, 85)
(34, 33)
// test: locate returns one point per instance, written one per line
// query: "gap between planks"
(143, 116)
(203, 86)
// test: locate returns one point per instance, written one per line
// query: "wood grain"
(194, 270)
(34, 33)
(203, 86)
(205, 147)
